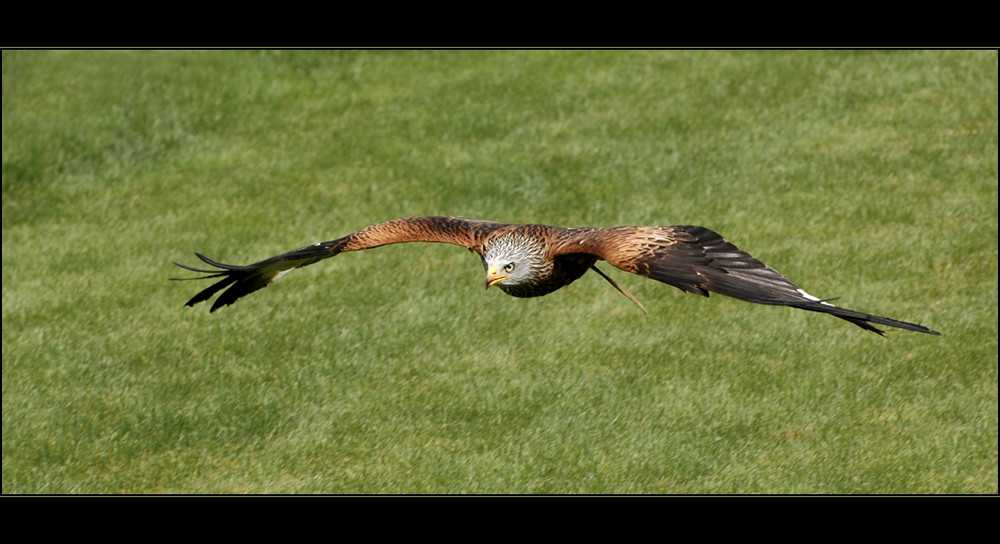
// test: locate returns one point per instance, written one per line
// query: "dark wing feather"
(247, 279)
(243, 280)
(698, 260)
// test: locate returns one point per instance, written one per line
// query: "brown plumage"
(534, 260)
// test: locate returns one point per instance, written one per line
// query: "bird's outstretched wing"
(698, 260)
(243, 280)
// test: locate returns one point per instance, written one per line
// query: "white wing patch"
(283, 272)
(812, 298)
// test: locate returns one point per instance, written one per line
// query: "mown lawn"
(866, 175)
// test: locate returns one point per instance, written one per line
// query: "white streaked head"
(513, 260)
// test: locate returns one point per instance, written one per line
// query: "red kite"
(535, 260)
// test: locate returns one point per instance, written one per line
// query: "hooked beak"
(493, 277)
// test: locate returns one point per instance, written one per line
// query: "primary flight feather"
(534, 260)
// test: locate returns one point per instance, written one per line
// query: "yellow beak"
(493, 277)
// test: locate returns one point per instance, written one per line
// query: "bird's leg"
(620, 289)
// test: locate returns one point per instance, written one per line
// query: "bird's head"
(511, 261)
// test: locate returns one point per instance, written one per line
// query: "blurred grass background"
(868, 175)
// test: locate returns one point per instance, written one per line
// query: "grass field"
(866, 175)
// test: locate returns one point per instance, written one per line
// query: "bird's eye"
(509, 268)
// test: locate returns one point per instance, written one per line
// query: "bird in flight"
(535, 260)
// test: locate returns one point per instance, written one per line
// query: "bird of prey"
(535, 260)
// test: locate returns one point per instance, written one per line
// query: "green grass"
(868, 175)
